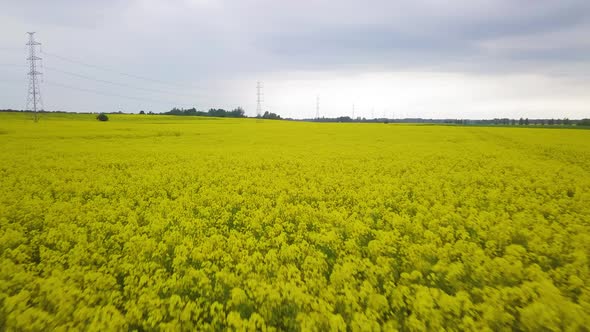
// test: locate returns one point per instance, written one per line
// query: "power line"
(114, 83)
(10, 49)
(61, 57)
(57, 84)
(109, 94)
(37, 96)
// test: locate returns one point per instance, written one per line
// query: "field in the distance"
(185, 223)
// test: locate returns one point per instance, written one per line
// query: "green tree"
(102, 117)
(270, 115)
(237, 112)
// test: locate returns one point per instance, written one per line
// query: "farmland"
(169, 223)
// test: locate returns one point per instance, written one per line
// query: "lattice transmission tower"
(34, 101)
(317, 107)
(259, 97)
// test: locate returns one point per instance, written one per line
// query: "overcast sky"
(434, 58)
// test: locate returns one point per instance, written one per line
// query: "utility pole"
(258, 99)
(317, 107)
(353, 111)
(34, 92)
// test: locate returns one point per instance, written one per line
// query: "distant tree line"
(495, 121)
(525, 122)
(217, 112)
(239, 113)
(342, 119)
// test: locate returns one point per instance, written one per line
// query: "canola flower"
(157, 223)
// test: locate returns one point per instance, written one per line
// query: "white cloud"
(424, 94)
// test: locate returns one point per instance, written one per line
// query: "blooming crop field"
(186, 223)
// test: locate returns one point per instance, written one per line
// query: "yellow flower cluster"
(179, 223)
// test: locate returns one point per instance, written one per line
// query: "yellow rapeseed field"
(158, 223)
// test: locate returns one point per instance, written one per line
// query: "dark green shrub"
(102, 117)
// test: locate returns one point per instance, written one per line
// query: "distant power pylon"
(259, 99)
(34, 101)
(353, 111)
(317, 107)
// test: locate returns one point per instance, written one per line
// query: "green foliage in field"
(102, 117)
(161, 223)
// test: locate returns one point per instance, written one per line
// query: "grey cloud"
(237, 36)
(422, 38)
(200, 44)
